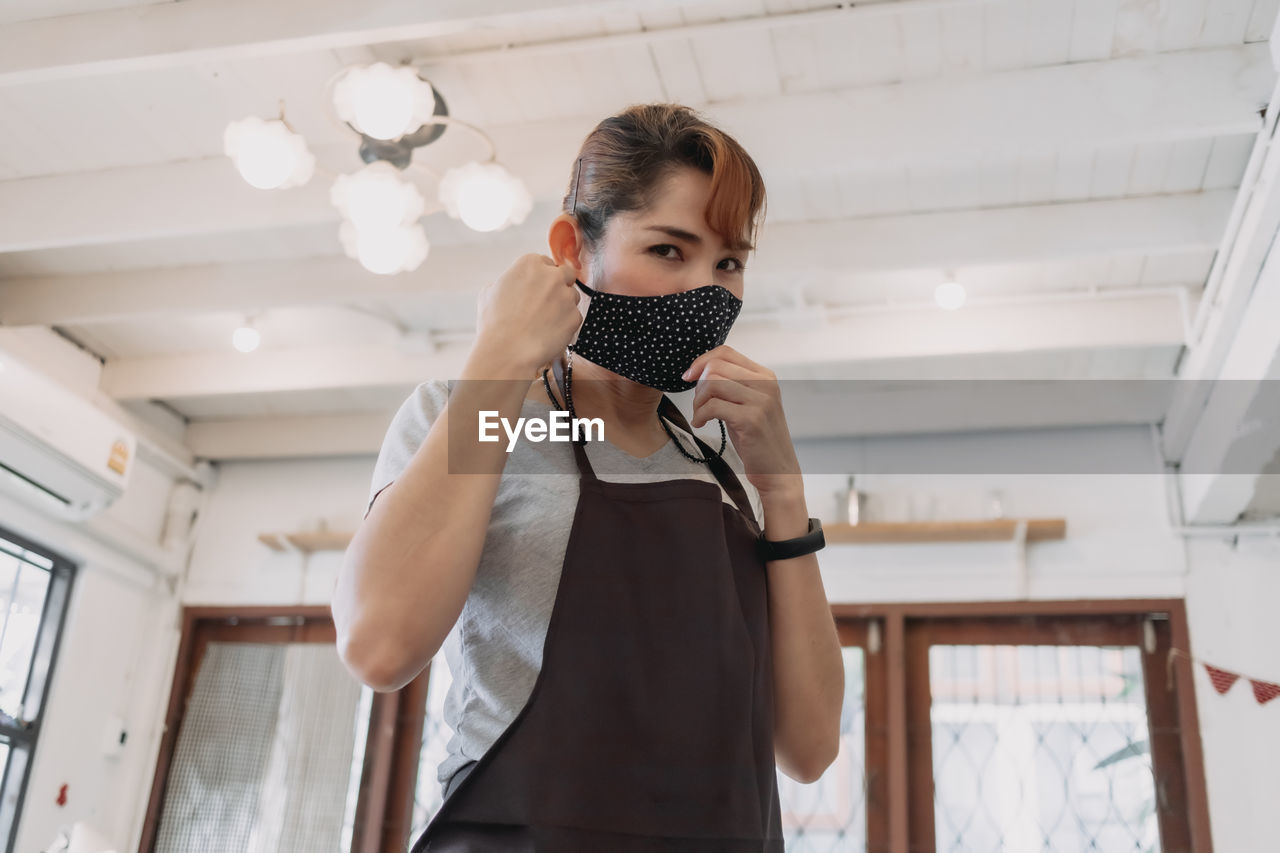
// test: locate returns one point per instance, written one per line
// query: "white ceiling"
(1075, 163)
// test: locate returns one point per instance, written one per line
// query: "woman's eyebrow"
(681, 234)
(678, 233)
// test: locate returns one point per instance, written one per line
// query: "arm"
(807, 664)
(410, 565)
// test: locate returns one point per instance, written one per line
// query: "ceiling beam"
(1237, 433)
(1135, 320)
(956, 122)
(789, 251)
(167, 35)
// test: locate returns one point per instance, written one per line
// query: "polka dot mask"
(654, 339)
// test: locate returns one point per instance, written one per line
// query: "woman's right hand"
(530, 313)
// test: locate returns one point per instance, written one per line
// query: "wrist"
(493, 360)
(786, 515)
(789, 489)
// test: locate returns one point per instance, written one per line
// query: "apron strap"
(579, 447)
(723, 473)
(718, 466)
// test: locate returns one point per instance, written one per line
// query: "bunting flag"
(1224, 679)
(1220, 678)
(1264, 691)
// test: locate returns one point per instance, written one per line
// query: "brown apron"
(650, 724)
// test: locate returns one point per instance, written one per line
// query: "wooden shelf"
(994, 530)
(307, 543)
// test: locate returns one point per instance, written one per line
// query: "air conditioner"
(57, 450)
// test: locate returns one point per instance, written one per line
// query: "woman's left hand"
(746, 397)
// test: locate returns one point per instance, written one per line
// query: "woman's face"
(668, 248)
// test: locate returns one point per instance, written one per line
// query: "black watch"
(786, 548)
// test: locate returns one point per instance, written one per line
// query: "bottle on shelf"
(850, 504)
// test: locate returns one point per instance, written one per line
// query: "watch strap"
(784, 549)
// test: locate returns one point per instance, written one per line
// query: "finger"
(743, 398)
(727, 353)
(727, 389)
(717, 408)
(718, 370)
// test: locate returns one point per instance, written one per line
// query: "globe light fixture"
(395, 112)
(383, 102)
(377, 197)
(949, 295)
(267, 153)
(385, 251)
(246, 338)
(485, 196)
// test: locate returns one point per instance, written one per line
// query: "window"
(34, 589)
(266, 738)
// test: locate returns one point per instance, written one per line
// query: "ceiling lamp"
(377, 197)
(267, 153)
(383, 102)
(385, 251)
(246, 338)
(485, 196)
(949, 295)
(395, 112)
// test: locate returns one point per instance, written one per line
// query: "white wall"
(115, 660)
(229, 564)
(1232, 596)
(1118, 545)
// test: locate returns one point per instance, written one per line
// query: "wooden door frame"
(908, 628)
(388, 776)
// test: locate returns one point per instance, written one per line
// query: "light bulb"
(383, 102)
(949, 295)
(385, 251)
(267, 154)
(377, 197)
(485, 196)
(245, 338)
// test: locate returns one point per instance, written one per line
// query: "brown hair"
(625, 158)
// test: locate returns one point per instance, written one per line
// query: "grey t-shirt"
(494, 650)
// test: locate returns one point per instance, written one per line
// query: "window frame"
(44, 660)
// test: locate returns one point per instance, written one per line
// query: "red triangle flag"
(1220, 678)
(1264, 691)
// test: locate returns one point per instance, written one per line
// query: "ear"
(564, 239)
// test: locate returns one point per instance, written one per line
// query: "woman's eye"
(659, 251)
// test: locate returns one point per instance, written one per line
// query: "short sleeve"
(408, 429)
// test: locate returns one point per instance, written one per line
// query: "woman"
(633, 656)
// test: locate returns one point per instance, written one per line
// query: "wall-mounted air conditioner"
(57, 450)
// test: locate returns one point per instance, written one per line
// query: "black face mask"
(653, 339)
